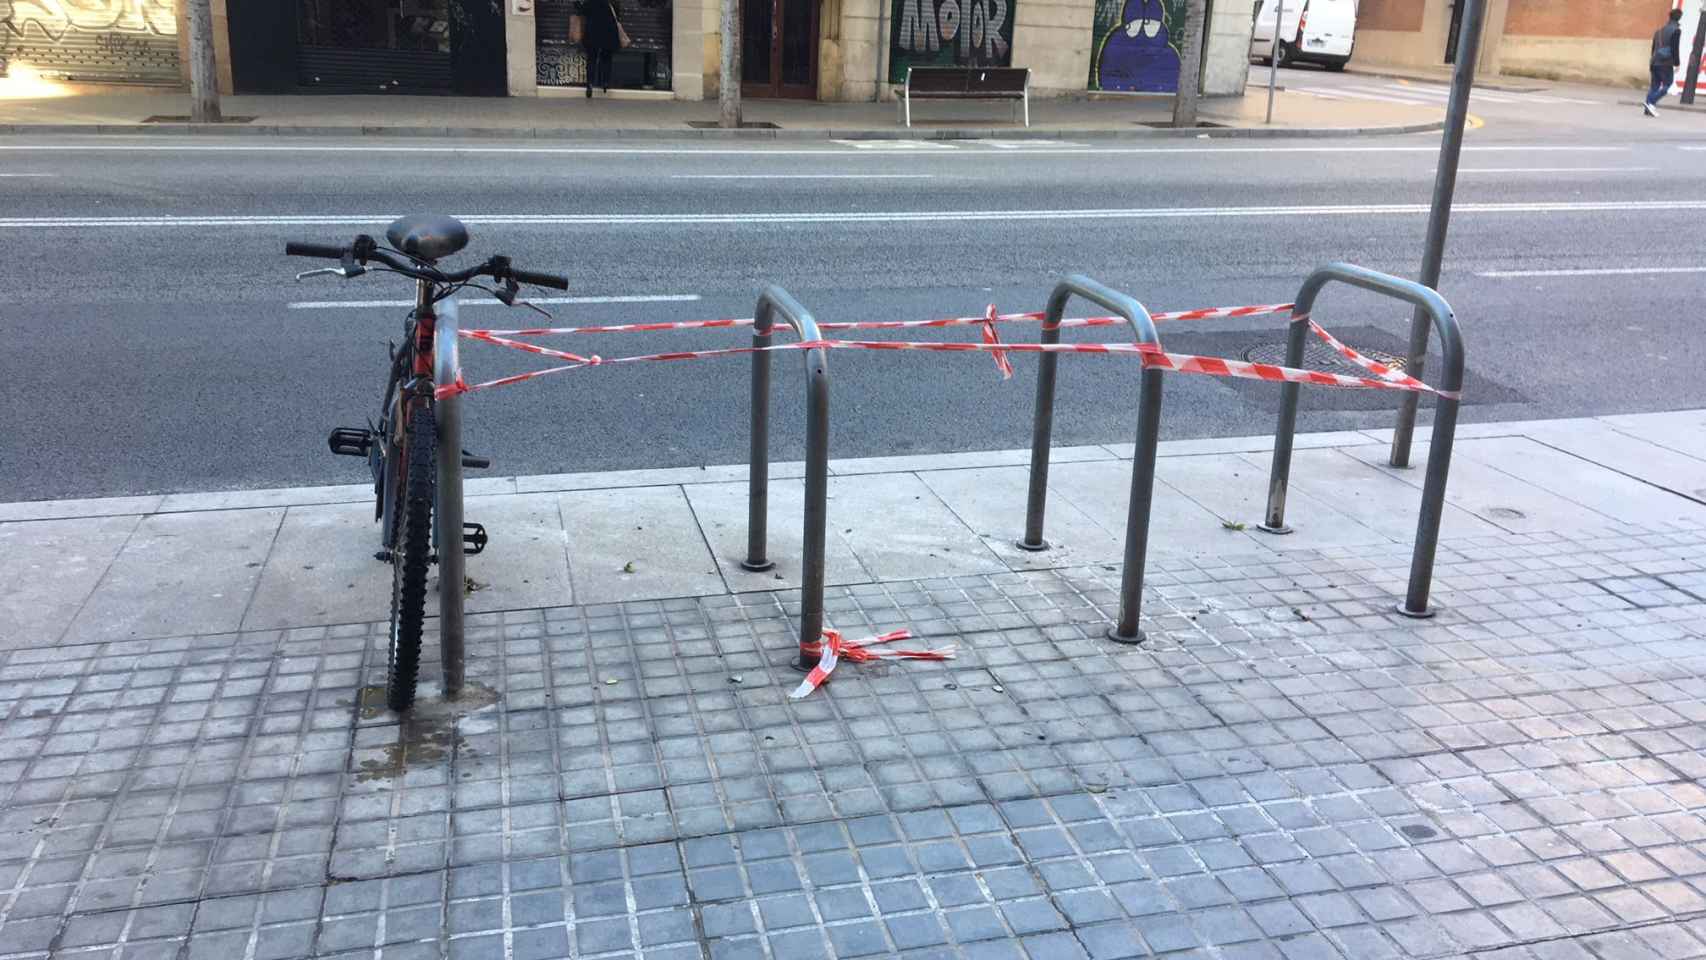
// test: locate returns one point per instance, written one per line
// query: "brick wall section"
(1397, 15)
(1617, 19)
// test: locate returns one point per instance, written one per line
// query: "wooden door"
(779, 49)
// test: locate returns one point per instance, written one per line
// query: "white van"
(1315, 31)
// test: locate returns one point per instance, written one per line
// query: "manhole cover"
(1319, 356)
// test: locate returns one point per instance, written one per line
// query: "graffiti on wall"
(54, 19)
(1134, 47)
(945, 33)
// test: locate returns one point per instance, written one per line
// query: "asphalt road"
(155, 341)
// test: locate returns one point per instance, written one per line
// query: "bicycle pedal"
(477, 463)
(474, 538)
(350, 441)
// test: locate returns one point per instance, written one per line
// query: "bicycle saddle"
(427, 235)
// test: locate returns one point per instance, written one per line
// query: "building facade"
(846, 50)
(1599, 41)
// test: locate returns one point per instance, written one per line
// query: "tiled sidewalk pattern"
(1284, 770)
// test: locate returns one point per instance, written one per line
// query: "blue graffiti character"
(1136, 54)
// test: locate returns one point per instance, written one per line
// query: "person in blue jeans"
(1667, 56)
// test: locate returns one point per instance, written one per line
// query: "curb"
(666, 134)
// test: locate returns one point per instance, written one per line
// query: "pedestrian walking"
(604, 35)
(1667, 56)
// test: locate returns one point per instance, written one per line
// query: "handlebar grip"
(540, 279)
(315, 250)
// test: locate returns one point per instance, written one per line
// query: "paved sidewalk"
(192, 761)
(89, 109)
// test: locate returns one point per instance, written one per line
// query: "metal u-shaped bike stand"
(773, 301)
(1143, 458)
(1415, 603)
(447, 512)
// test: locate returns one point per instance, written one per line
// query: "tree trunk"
(1190, 65)
(204, 81)
(728, 85)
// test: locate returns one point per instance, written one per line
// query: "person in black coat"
(602, 38)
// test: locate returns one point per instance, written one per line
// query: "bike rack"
(447, 513)
(1415, 603)
(1143, 459)
(773, 301)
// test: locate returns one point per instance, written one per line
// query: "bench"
(967, 83)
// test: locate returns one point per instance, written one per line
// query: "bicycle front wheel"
(411, 555)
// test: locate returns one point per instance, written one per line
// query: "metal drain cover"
(1319, 356)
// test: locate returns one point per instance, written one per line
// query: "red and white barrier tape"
(1210, 313)
(836, 648)
(1153, 356)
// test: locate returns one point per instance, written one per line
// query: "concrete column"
(1492, 38)
(1227, 49)
(521, 39)
(1055, 39)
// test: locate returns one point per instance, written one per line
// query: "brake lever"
(322, 271)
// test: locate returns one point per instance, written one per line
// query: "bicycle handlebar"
(365, 249)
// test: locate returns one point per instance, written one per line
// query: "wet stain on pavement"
(426, 734)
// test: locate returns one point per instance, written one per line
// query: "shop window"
(643, 66)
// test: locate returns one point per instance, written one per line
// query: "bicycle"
(401, 447)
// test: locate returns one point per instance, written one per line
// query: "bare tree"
(1190, 65)
(728, 84)
(204, 82)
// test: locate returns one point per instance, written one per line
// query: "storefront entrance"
(367, 46)
(778, 54)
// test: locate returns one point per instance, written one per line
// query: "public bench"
(968, 83)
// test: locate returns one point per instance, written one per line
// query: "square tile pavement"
(1282, 770)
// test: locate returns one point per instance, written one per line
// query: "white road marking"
(802, 176)
(898, 145)
(1594, 272)
(1360, 93)
(26, 174)
(1027, 144)
(896, 216)
(759, 152)
(477, 302)
(1444, 93)
(1551, 169)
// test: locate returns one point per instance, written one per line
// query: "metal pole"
(1137, 514)
(1042, 427)
(452, 565)
(1279, 479)
(1273, 57)
(1439, 216)
(758, 455)
(817, 505)
(1693, 80)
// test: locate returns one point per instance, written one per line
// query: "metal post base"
(803, 665)
(758, 566)
(1037, 547)
(1117, 637)
(1278, 531)
(1405, 611)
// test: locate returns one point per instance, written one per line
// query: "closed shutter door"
(66, 52)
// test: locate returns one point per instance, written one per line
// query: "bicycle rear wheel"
(411, 554)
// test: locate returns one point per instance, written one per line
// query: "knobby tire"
(410, 558)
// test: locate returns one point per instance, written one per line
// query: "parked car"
(1314, 31)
